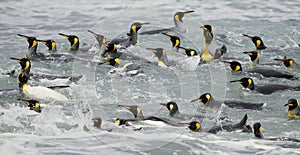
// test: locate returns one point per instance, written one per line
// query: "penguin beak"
(124, 106)
(204, 28)
(25, 37)
(248, 53)
(164, 104)
(238, 81)
(197, 100)
(42, 41)
(152, 50)
(279, 60)
(226, 62)
(66, 36)
(95, 34)
(188, 12)
(18, 60)
(142, 24)
(250, 37)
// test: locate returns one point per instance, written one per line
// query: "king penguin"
(209, 101)
(178, 22)
(294, 109)
(257, 41)
(266, 89)
(208, 38)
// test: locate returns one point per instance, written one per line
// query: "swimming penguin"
(129, 68)
(100, 39)
(189, 51)
(33, 105)
(138, 114)
(257, 130)
(74, 41)
(38, 92)
(236, 66)
(264, 89)
(209, 101)
(51, 44)
(174, 112)
(289, 63)
(254, 56)
(112, 52)
(294, 109)
(196, 126)
(179, 26)
(208, 38)
(25, 64)
(134, 28)
(259, 44)
(161, 54)
(33, 43)
(174, 39)
(219, 52)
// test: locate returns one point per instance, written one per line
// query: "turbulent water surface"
(61, 128)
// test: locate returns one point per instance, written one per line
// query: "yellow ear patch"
(198, 126)
(256, 58)
(34, 43)
(117, 60)
(192, 53)
(117, 121)
(161, 64)
(75, 41)
(177, 43)
(258, 42)
(37, 105)
(249, 82)
(171, 106)
(208, 97)
(176, 18)
(133, 28)
(260, 129)
(27, 65)
(237, 68)
(138, 109)
(164, 52)
(291, 62)
(53, 45)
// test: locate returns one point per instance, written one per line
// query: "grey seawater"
(61, 128)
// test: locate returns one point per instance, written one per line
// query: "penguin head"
(33, 105)
(292, 104)
(254, 56)
(74, 41)
(179, 15)
(24, 62)
(110, 48)
(23, 80)
(194, 126)
(172, 107)
(257, 41)
(189, 52)
(119, 121)
(51, 44)
(97, 122)
(204, 98)
(234, 65)
(100, 38)
(32, 41)
(159, 52)
(135, 27)
(208, 28)
(136, 110)
(286, 62)
(245, 82)
(257, 130)
(174, 39)
(113, 62)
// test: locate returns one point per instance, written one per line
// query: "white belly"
(40, 92)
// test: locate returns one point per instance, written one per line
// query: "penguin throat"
(290, 114)
(206, 56)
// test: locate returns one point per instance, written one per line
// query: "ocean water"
(61, 128)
